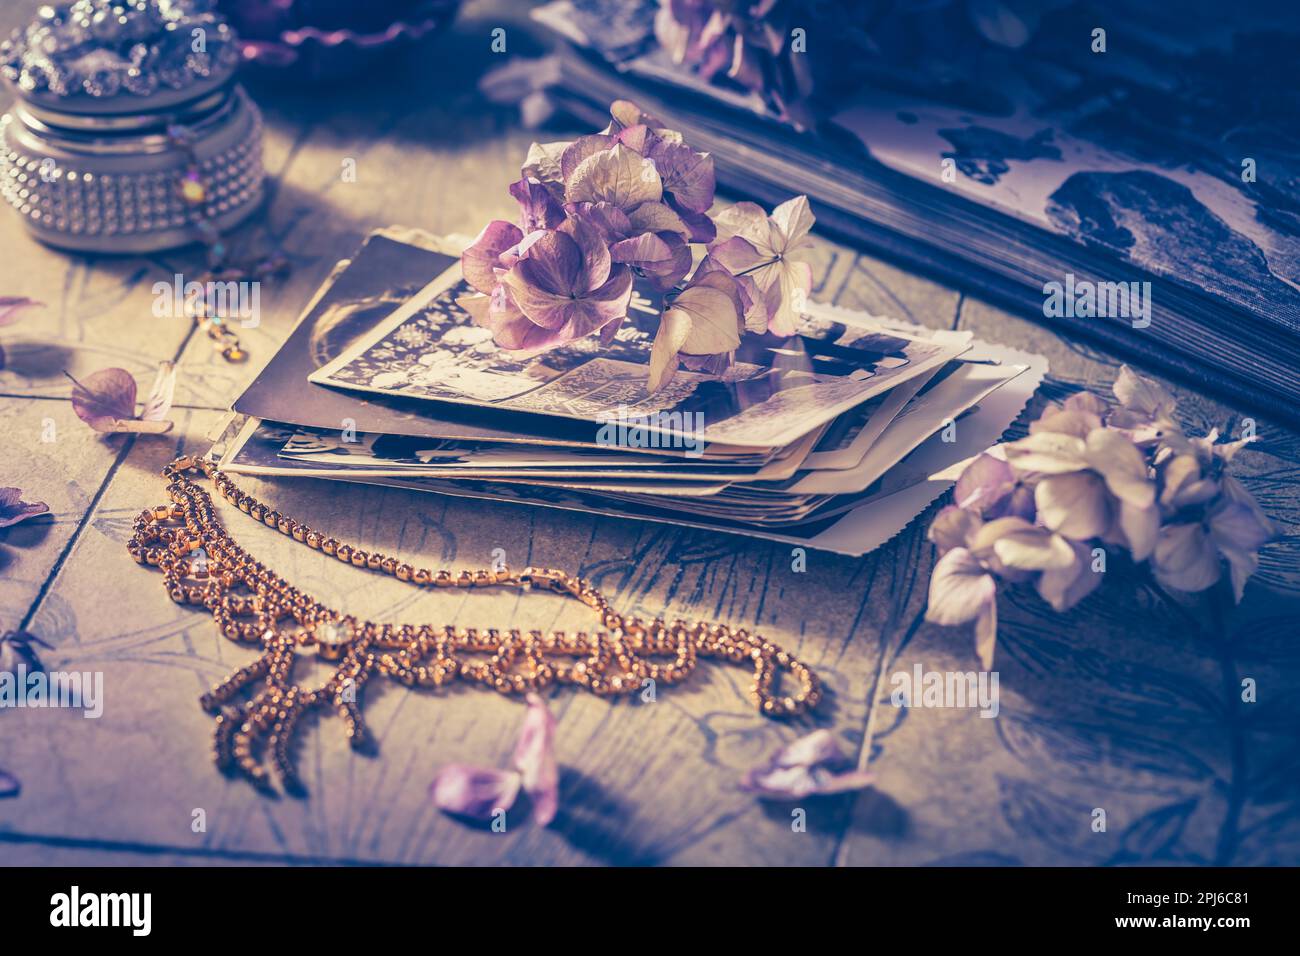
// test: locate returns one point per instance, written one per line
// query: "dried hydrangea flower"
(631, 201)
(563, 286)
(746, 42)
(1093, 486)
(1089, 475)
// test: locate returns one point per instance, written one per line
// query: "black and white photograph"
(774, 392)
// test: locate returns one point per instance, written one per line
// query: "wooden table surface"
(1121, 705)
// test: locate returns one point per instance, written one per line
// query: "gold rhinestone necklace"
(259, 707)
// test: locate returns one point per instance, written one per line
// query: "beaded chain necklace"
(259, 706)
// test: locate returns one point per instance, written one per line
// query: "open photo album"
(835, 437)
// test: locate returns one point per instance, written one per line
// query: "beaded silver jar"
(153, 145)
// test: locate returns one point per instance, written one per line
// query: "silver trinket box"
(129, 133)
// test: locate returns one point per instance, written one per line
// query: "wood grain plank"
(56, 458)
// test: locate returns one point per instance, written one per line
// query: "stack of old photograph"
(834, 438)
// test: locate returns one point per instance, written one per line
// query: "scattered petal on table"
(13, 509)
(535, 760)
(813, 765)
(12, 307)
(104, 397)
(159, 402)
(475, 792)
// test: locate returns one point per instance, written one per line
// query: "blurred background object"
(325, 41)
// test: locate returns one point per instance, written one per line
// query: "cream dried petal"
(1077, 505)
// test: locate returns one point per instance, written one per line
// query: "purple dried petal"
(752, 302)
(818, 747)
(686, 174)
(1018, 504)
(511, 329)
(604, 305)
(495, 312)
(990, 488)
(625, 113)
(665, 275)
(1063, 588)
(811, 765)
(708, 364)
(750, 222)
(1185, 558)
(104, 397)
(534, 758)
(638, 138)
(642, 251)
(13, 306)
(553, 264)
(701, 226)
(478, 793)
(953, 527)
(609, 331)
(13, 509)
(960, 589)
(606, 218)
(1066, 421)
(1238, 528)
(547, 310)
(781, 783)
(596, 261)
(515, 332)
(538, 209)
(1141, 395)
(481, 260)
(719, 280)
(737, 254)
(620, 176)
(574, 312)
(1086, 402)
(984, 480)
